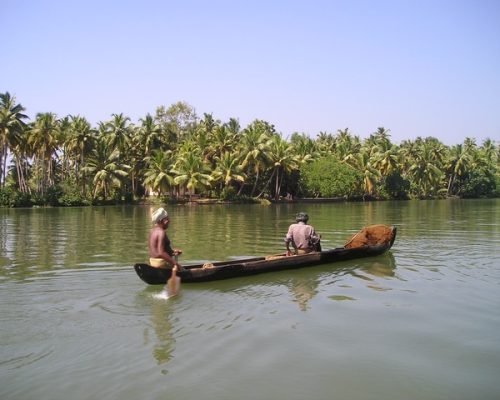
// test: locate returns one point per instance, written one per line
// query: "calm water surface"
(420, 322)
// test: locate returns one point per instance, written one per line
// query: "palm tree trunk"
(450, 183)
(269, 181)
(276, 186)
(241, 188)
(255, 184)
(3, 166)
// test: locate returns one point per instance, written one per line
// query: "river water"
(419, 322)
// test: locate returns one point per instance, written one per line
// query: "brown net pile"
(370, 236)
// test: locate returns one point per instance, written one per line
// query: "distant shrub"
(12, 198)
(328, 177)
(478, 184)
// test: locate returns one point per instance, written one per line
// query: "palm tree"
(158, 175)
(305, 149)
(63, 133)
(106, 168)
(283, 159)
(345, 144)
(425, 170)
(191, 172)
(43, 139)
(326, 143)
(458, 164)
(379, 138)
(81, 141)
(118, 132)
(151, 134)
(253, 144)
(384, 155)
(490, 152)
(361, 161)
(234, 127)
(21, 153)
(228, 168)
(11, 127)
(222, 140)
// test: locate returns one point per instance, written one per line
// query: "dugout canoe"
(370, 241)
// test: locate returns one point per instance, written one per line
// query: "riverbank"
(195, 200)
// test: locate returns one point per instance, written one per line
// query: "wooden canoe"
(370, 241)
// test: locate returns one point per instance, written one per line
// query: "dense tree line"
(176, 154)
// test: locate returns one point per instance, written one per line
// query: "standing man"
(302, 236)
(161, 254)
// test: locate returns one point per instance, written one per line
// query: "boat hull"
(257, 265)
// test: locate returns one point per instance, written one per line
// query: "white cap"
(158, 215)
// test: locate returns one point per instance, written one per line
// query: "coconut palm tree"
(362, 162)
(222, 140)
(345, 144)
(81, 141)
(385, 158)
(150, 134)
(234, 127)
(11, 127)
(228, 169)
(253, 145)
(304, 148)
(490, 152)
(379, 138)
(106, 169)
(283, 159)
(158, 176)
(457, 164)
(118, 132)
(21, 152)
(425, 170)
(191, 172)
(42, 138)
(326, 143)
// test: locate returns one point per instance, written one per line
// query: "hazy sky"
(416, 67)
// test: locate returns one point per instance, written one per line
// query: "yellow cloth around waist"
(303, 251)
(159, 263)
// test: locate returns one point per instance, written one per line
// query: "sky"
(415, 67)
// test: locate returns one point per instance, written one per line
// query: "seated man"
(302, 236)
(161, 254)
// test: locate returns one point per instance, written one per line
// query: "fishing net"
(370, 236)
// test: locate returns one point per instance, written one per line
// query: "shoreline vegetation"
(177, 156)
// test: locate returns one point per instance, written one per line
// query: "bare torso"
(159, 243)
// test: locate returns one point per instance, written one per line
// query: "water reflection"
(303, 290)
(382, 266)
(161, 321)
(304, 284)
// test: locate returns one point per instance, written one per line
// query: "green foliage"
(396, 186)
(496, 193)
(6, 197)
(228, 193)
(477, 184)
(70, 196)
(13, 198)
(174, 152)
(328, 177)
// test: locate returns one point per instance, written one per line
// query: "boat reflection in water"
(303, 289)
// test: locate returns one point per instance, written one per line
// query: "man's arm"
(288, 240)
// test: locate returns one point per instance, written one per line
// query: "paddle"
(174, 282)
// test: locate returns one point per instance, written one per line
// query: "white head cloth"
(158, 215)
